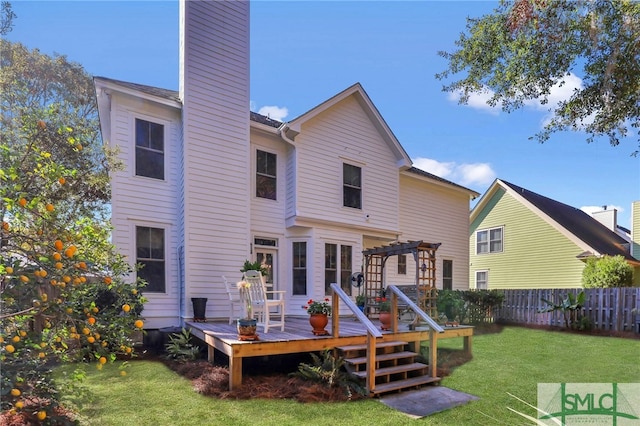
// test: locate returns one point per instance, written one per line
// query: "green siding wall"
(535, 254)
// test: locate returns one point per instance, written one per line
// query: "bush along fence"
(611, 309)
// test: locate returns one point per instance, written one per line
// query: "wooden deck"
(297, 338)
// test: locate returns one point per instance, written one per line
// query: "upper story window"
(352, 186)
(149, 149)
(266, 175)
(489, 241)
(150, 254)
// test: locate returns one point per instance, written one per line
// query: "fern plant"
(180, 347)
(330, 370)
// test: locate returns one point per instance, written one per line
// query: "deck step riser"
(396, 369)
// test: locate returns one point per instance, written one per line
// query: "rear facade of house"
(207, 184)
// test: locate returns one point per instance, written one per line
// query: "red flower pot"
(318, 323)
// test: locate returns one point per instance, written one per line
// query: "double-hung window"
(489, 241)
(299, 268)
(266, 175)
(150, 254)
(352, 186)
(335, 267)
(447, 274)
(402, 264)
(482, 280)
(149, 149)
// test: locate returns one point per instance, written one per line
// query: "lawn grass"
(512, 361)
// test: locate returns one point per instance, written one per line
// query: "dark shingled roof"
(174, 95)
(579, 223)
(434, 177)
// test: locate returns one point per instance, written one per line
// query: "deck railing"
(372, 331)
(396, 294)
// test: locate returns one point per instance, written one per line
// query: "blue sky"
(304, 52)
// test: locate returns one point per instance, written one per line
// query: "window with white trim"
(482, 280)
(351, 186)
(149, 149)
(299, 286)
(266, 175)
(402, 264)
(150, 254)
(334, 266)
(447, 274)
(489, 241)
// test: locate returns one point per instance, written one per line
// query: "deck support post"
(235, 372)
(433, 353)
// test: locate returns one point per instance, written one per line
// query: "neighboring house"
(520, 239)
(207, 184)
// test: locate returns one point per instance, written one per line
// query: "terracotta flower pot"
(318, 323)
(385, 320)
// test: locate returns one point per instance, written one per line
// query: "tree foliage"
(526, 47)
(607, 271)
(65, 294)
(7, 16)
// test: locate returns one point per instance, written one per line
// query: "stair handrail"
(339, 294)
(419, 312)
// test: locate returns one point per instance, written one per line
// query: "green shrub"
(180, 347)
(607, 271)
(482, 304)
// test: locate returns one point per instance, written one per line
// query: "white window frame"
(489, 240)
(486, 281)
(343, 185)
(166, 230)
(339, 269)
(132, 156)
(275, 177)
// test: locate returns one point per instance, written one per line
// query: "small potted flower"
(360, 301)
(319, 315)
(384, 309)
(248, 324)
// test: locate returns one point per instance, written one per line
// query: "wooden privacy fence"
(614, 309)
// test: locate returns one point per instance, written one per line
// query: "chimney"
(608, 218)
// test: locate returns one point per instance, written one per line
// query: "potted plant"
(319, 315)
(254, 266)
(384, 309)
(360, 301)
(247, 324)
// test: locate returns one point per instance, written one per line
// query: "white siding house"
(207, 184)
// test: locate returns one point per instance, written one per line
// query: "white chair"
(261, 302)
(234, 300)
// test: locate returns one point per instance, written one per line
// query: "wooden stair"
(396, 368)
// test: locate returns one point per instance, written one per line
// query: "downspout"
(181, 284)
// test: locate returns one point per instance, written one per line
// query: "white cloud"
(477, 100)
(274, 112)
(467, 174)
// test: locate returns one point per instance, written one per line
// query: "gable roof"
(172, 96)
(599, 239)
(419, 172)
(356, 90)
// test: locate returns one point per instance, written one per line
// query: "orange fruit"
(123, 373)
(19, 404)
(15, 339)
(58, 245)
(79, 147)
(43, 273)
(10, 349)
(86, 331)
(5, 225)
(73, 329)
(95, 310)
(24, 278)
(62, 181)
(91, 339)
(1, 339)
(134, 291)
(91, 320)
(42, 355)
(102, 360)
(66, 279)
(70, 251)
(139, 324)
(58, 265)
(107, 280)
(22, 202)
(42, 124)
(9, 270)
(128, 350)
(15, 392)
(42, 415)
(57, 256)
(50, 207)
(23, 333)
(126, 307)
(96, 335)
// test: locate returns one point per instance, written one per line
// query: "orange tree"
(66, 295)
